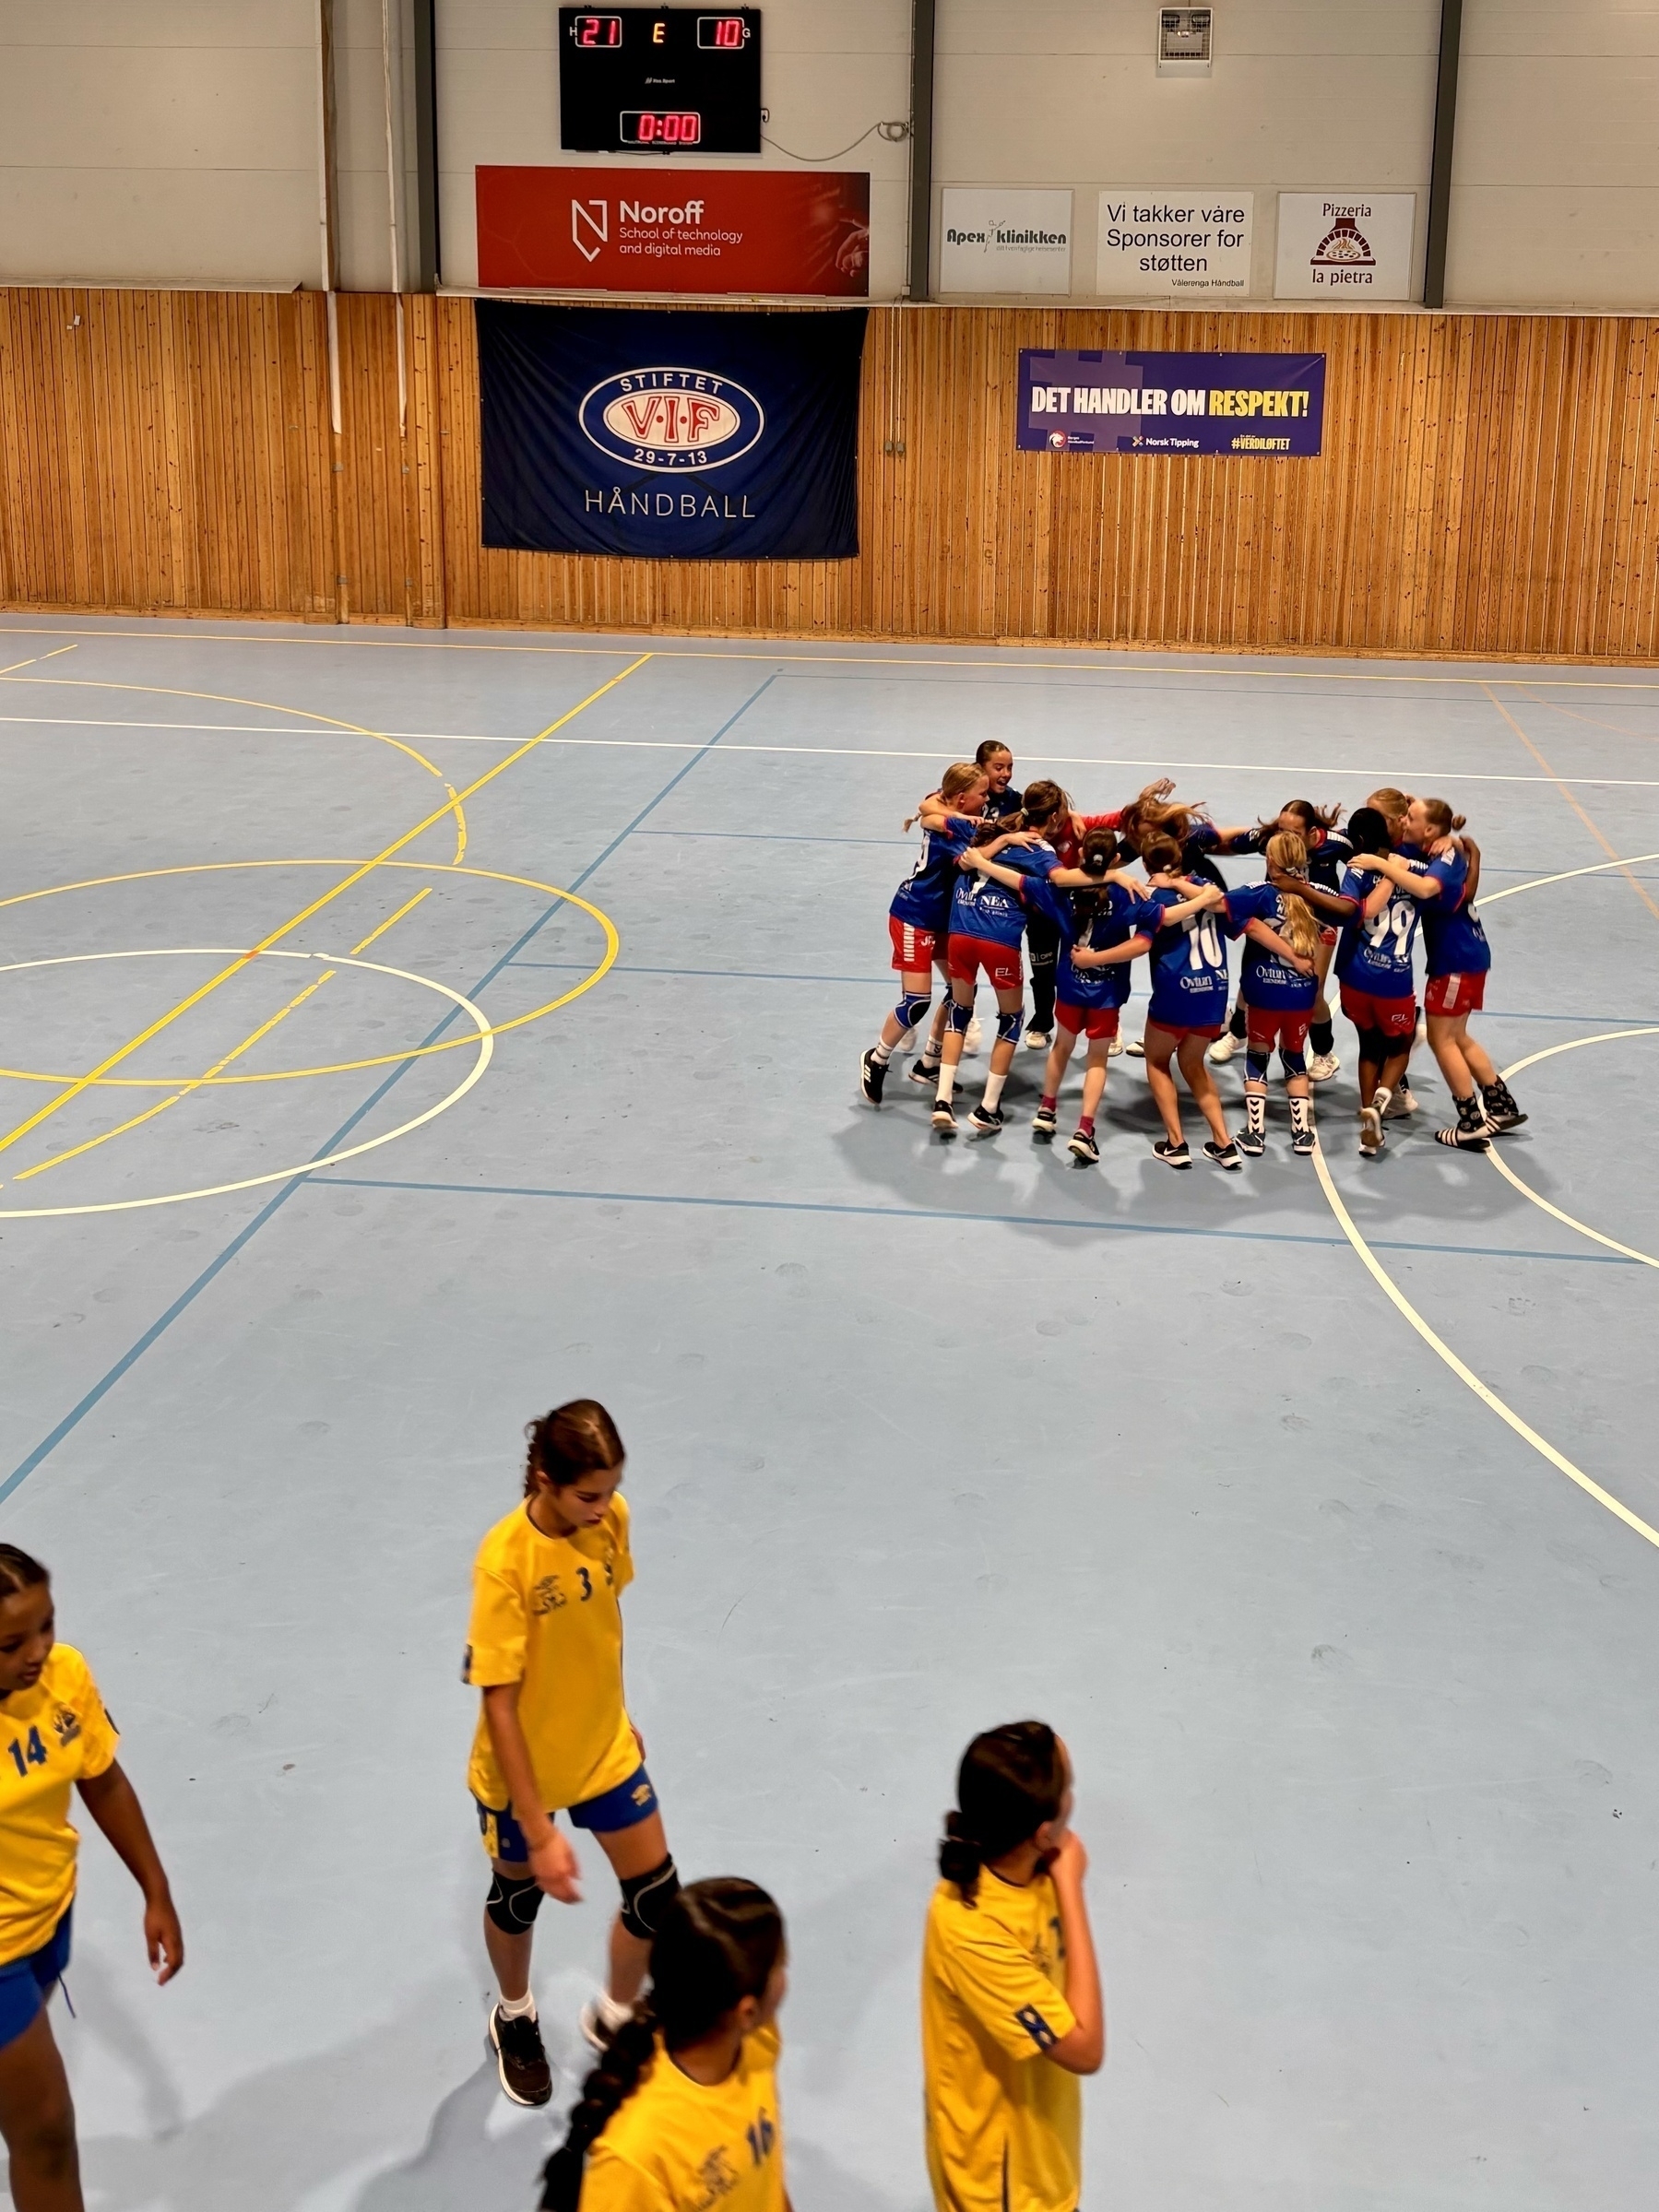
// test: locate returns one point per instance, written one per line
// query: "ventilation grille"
(1184, 41)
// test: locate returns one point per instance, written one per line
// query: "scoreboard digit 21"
(666, 80)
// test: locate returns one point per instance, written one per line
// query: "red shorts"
(1329, 933)
(1455, 994)
(914, 949)
(1269, 1025)
(1394, 1017)
(1093, 1021)
(1002, 963)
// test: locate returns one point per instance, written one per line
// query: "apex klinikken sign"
(1214, 403)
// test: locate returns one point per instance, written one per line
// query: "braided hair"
(20, 1571)
(1011, 1782)
(719, 1943)
(573, 1440)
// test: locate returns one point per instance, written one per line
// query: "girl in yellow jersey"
(681, 2114)
(54, 1733)
(1011, 2010)
(545, 1647)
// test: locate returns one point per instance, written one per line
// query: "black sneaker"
(1045, 1125)
(1083, 1149)
(520, 2059)
(1223, 1155)
(1173, 1156)
(924, 1074)
(944, 1116)
(985, 1121)
(1251, 1142)
(874, 1074)
(1303, 1141)
(1500, 1112)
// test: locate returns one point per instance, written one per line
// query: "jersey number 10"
(1204, 942)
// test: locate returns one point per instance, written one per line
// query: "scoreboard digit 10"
(671, 80)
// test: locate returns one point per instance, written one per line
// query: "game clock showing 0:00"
(668, 79)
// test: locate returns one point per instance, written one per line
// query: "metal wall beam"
(1445, 140)
(921, 147)
(429, 243)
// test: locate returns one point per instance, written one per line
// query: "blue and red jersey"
(923, 899)
(1189, 963)
(1267, 980)
(1123, 914)
(984, 908)
(1453, 936)
(1375, 955)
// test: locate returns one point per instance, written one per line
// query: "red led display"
(650, 127)
(596, 30)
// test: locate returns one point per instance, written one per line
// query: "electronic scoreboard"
(664, 80)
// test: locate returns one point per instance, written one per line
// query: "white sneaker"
(1421, 1035)
(1223, 1049)
(1039, 1040)
(1115, 1050)
(974, 1037)
(1323, 1066)
(1399, 1104)
(1135, 1049)
(600, 2018)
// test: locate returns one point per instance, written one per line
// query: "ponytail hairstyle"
(1153, 810)
(985, 753)
(720, 1942)
(1368, 831)
(1160, 855)
(20, 1571)
(1437, 815)
(1011, 1780)
(1307, 813)
(573, 1440)
(1099, 851)
(1044, 800)
(956, 782)
(1299, 927)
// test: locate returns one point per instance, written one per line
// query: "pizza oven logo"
(671, 419)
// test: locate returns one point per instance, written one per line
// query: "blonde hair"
(1391, 804)
(958, 779)
(1299, 927)
(1438, 814)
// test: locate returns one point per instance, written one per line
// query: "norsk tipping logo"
(671, 419)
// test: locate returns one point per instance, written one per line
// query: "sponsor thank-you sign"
(1155, 243)
(666, 229)
(1231, 403)
(692, 436)
(1005, 241)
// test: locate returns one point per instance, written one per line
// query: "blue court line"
(1014, 1221)
(186, 1297)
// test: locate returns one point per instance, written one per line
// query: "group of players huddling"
(1090, 893)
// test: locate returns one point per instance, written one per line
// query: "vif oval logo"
(671, 419)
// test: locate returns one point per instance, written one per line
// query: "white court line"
(1606, 1036)
(1567, 875)
(871, 753)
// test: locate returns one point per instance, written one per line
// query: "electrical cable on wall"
(895, 133)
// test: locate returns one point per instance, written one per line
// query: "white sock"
(993, 1090)
(518, 2008)
(881, 1053)
(947, 1079)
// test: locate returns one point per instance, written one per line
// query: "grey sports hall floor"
(1360, 1679)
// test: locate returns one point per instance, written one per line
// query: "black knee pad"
(513, 1905)
(643, 1896)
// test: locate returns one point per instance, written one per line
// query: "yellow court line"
(1490, 898)
(161, 1106)
(235, 1053)
(1464, 1373)
(276, 936)
(486, 1044)
(267, 706)
(341, 635)
(1571, 799)
(384, 1060)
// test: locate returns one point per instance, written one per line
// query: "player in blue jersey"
(996, 762)
(1459, 959)
(1328, 851)
(988, 910)
(919, 917)
(1279, 986)
(1374, 967)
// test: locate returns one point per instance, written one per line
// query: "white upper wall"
(830, 69)
(175, 142)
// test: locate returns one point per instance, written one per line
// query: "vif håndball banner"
(1229, 402)
(691, 436)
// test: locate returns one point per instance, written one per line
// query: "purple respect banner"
(1230, 403)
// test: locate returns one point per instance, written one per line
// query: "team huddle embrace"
(1000, 871)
